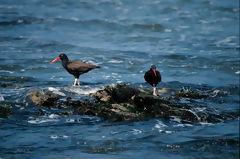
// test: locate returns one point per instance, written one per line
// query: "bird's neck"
(65, 62)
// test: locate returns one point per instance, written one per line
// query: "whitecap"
(168, 30)
(225, 41)
(1, 98)
(168, 132)
(183, 125)
(176, 119)
(70, 120)
(119, 81)
(65, 136)
(82, 90)
(54, 137)
(56, 91)
(53, 116)
(106, 77)
(237, 72)
(205, 123)
(159, 125)
(115, 61)
(136, 131)
(40, 121)
(6, 71)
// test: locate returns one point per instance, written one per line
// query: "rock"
(44, 98)
(155, 106)
(125, 103)
(117, 113)
(116, 94)
(101, 95)
(190, 94)
(5, 111)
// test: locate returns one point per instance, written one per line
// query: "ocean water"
(193, 43)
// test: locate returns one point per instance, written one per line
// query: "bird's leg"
(78, 82)
(154, 90)
(75, 81)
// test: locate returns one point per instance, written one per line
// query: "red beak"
(154, 71)
(55, 60)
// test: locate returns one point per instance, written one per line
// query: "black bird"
(153, 77)
(76, 68)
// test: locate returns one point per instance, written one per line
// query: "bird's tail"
(97, 67)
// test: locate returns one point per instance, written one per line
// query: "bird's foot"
(154, 91)
(75, 85)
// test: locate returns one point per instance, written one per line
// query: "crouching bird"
(76, 68)
(153, 77)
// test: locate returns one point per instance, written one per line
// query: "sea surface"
(193, 43)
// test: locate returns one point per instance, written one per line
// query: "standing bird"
(76, 68)
(153, 77)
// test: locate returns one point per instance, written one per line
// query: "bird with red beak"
(76, 68)
(153, 77)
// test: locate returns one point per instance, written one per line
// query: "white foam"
(115, 61)
(65, 136)
(70, 120)
(58, 136)
(168, 30)
(183, 125)
(82, 90)
(56, 91)
(208, 124)
(44, 119)
(160, 126)
(6, 71)
(53, 116)
(168, 132)
(53, 136)
(237, 72)
(176, 119)
(1, 98)
(136, 131)
(119, 81)
(40, 121)
(225, 41)
(106, 77)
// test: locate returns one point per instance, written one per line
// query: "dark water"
(195, 45)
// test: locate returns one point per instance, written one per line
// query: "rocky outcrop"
(44, 98)
(126, 103)
(5, 111)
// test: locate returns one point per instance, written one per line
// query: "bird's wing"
(148, 76)
(77, 65)
(159, 76)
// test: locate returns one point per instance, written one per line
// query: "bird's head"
(62, 56)
(153, 68)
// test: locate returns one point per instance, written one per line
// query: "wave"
(22, 20)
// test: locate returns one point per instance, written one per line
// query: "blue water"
(193, 43)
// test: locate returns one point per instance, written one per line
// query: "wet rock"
(125, 103)
(155, 106)
(118, 112)
(190, 94)
(5, 111)
(44, 98)
(116, 94)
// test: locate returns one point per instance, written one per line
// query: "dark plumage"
(153, 77)
(76, 68)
